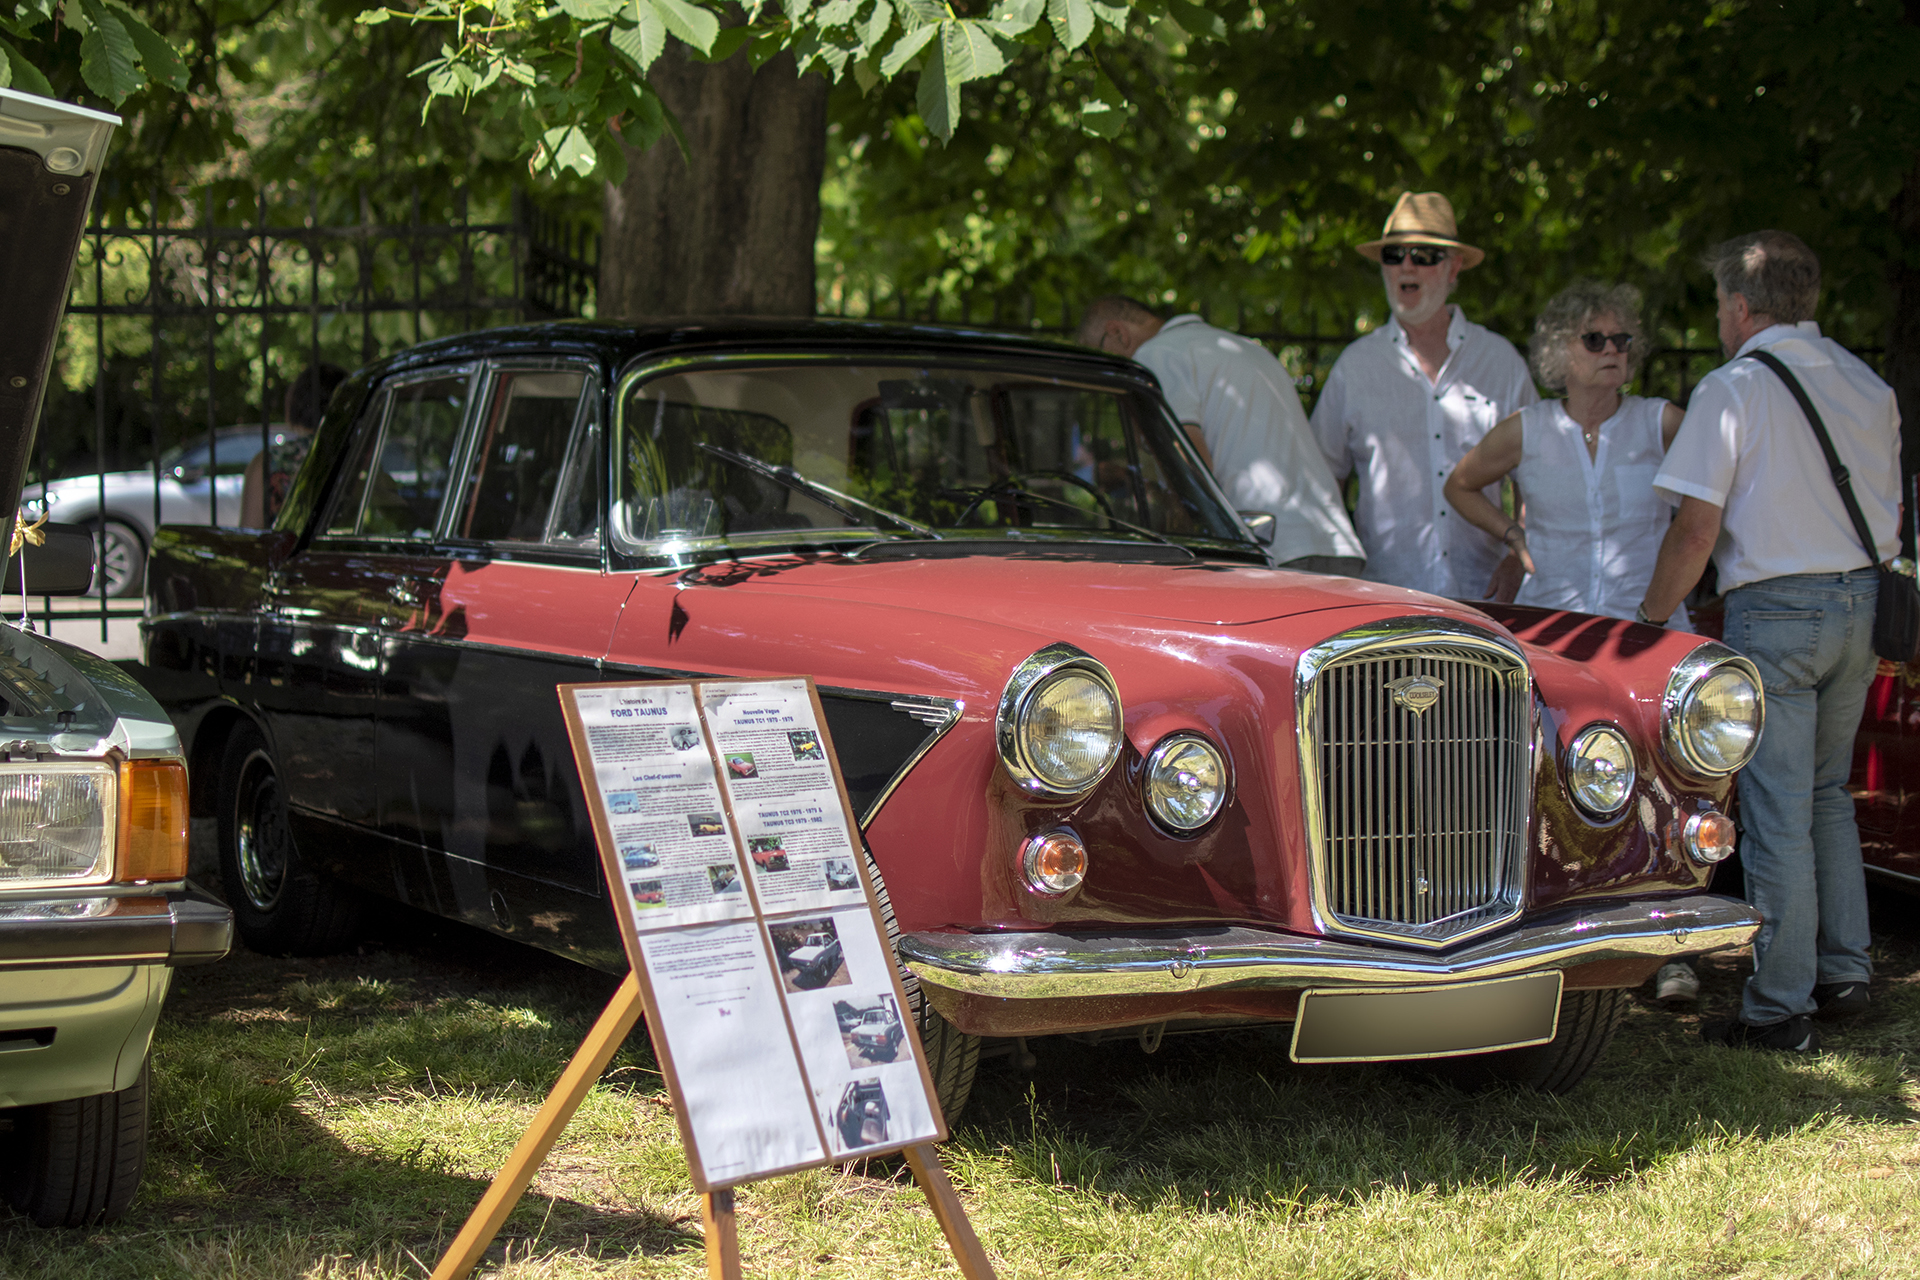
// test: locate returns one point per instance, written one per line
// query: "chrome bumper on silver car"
(1045, 965)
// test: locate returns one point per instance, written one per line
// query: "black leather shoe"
(1840, 999)
(1795, 1035)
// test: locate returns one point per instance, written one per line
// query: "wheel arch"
(205, 751)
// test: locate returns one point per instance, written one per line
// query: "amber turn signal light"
(153, 820)
(1708, 837)
(1054, 864)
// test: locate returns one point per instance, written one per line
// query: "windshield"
(915, 452)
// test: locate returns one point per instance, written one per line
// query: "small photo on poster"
(724, 879)
(805, 744)
(705, 824)
(740, 764)
(863, 1114)
(809, 954)
(684, 737)
(637, 856)
(840, 874)
(648, 895)
(871, 1030)
(623, 801)
(769, 853)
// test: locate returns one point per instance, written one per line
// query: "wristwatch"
(1640, 615)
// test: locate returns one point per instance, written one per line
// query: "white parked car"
(194, 480)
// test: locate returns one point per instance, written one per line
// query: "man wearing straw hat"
(1405, 403)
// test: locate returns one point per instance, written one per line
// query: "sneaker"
(1840, 999)
(1676, 983)
(1794, 1035)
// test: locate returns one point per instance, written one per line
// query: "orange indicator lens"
(1054, 864)
(153, 820)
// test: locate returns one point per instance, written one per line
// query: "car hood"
(1041, 589)
(50, 155)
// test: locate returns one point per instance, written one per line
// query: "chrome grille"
(1418, 817)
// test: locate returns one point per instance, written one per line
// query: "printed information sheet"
(743, 900)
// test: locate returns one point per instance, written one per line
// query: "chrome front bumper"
(1161, 962)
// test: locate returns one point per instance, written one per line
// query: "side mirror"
(1261, 525)
(61, 566)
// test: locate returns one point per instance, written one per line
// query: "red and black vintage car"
(1117, 775)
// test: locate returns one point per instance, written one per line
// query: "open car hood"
(50, 156)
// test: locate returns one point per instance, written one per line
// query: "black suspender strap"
(1841, 479)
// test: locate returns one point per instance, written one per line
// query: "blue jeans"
(1811, 635)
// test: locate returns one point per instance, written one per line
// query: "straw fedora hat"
(1423, 217)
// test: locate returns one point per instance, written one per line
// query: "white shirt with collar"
(1263, 451)
(1381, 417)
(1746, 446)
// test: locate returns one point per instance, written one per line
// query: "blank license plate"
(1427, 1022)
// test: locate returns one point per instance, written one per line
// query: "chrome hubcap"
(261, 842)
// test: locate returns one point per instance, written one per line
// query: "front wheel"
(76, 1163)
(282, 905)
(953, 1057)
(120, 557)
(1588, 1020)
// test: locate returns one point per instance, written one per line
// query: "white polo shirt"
(1746, 447)
(1380, 415)
(1263, 451)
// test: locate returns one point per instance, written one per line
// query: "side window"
(521, 457)
(401, 462)
(576, 518)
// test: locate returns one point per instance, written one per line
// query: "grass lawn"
(340, 1117)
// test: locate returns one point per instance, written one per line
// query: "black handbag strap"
(1842, 479)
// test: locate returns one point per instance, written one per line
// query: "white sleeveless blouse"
(1594, 524)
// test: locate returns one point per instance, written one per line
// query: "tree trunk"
(728, 228)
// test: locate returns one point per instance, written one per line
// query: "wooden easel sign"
(757, 949)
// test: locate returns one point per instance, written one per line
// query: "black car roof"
(620, 342)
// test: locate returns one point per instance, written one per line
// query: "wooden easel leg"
(723, 1239)
(595, 1052)
(949, 1212)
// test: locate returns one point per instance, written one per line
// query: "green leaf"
(938, 96)
(866, 76)
(970, 53)
(1072, 22)
(519, 71)
(728, 43)
(1197, 21)
(567, 148)
(875, 28)
(688, 21)
(17, 73)
(905, 48)
(156, 55)
(373, 17)
(108, 58)
(1102, 120)
(835, 13)
(922, 13)
(643, 41)
(590, 10)
(1015, 17)
(1114, 15)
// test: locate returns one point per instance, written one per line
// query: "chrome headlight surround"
(1170, 769)
(1599, 771)
(1013, 722)
(1689, 678)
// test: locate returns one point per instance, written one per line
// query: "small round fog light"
(1186, 782)
(1054, 863)
(1708, 837)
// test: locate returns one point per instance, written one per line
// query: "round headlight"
(1719, 720)
(1600, 770)
(1059, 723)
(1186, 782)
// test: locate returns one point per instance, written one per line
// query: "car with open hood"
(1116, 776)
(95, 911)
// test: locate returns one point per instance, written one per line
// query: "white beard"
(1411, 316)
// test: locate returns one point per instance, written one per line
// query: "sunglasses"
(1597, 342)
(1421, 255)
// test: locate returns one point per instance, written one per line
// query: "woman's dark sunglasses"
(1597, 342)
(1423, 255)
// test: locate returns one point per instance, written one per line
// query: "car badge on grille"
(1416, 693)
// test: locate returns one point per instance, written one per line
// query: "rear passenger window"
(398, 478)
(521, 457)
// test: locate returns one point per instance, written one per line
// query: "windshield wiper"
(1008, 489)
(820, 493)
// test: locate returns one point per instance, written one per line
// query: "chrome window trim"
(1702, 662)
(487, 375)
(1358, 643)
(471, 371)
(1026, 677)
(1160, 748)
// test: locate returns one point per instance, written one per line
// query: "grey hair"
(1566, 317)
(1774, 271)
(1114, 306)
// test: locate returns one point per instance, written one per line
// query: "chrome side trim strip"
(938, 714)
(1047, 965)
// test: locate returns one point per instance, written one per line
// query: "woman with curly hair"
(1583, 465)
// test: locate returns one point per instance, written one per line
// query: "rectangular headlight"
(57, 823)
